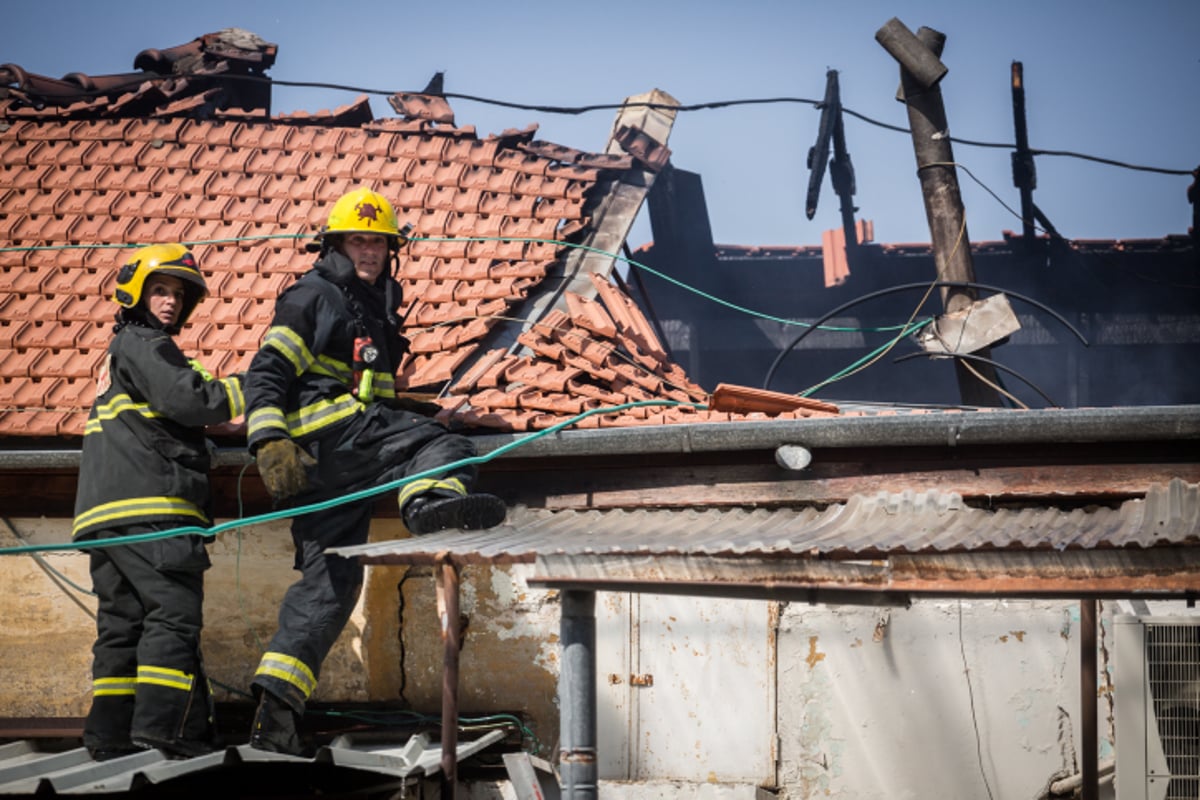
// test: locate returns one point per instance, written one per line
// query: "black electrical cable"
(909, 287)
(981, 359)
(575, 110)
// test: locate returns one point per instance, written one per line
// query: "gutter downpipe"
(448, 614)
(1090, 761)
(578, 763)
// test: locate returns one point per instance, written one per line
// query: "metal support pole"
(1090, 768)
(577, 696)
(1193, 197)
(1024, 172)
(448, 613)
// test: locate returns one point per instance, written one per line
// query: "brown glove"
(281, 463)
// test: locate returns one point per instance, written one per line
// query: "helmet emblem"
(368, 211)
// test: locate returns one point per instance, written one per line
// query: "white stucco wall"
(868, 702)
(943, 699)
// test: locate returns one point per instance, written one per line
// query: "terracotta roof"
(186, 150)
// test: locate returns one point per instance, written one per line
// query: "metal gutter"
(889, 429)
(938, 429)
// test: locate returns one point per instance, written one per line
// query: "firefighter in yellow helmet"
(144, 470)
(324, 421)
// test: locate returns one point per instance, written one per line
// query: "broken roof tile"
(422, 106)
(491, 399)
(563, 405)
(486, 372)
(590, 315)
(744, 399)
(628, 317)
(433, 370)
(548, 377)
(581, 387)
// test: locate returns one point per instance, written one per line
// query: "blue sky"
(1106, 78)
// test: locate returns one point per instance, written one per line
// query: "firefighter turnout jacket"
(144, 456)
(325, 376)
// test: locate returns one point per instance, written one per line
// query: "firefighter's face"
(368, 251)
(164, 298)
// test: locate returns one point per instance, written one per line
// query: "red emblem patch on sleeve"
(104, 376)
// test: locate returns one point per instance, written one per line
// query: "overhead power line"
(584, 109)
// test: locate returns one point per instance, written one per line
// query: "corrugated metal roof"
(909, 542)
(24, 769)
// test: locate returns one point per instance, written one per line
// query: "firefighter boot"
(106, 729)
(431, 512)
(276, 727)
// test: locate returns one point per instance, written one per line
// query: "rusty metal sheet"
(979, 325)
(925, 542)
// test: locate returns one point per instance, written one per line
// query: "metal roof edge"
(1139, 423)
(939, 429)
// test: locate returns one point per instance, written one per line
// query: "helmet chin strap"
(394, 254)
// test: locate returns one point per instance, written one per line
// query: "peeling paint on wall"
(509, 656)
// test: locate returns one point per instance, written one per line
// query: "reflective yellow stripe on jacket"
(118, 511)
(118, 404)
(288, 344)
(307, 420)
(385, 383)
(237, 400)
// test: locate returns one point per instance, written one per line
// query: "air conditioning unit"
(1157, 687)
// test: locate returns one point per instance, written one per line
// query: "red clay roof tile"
(487, 371)
(66, 363)
(50, 334)
(70, 394)
(76, 308)
(435, 369)
(19, 280)
(9, 330)
(248, 192)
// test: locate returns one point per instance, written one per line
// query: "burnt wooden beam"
(919, 77)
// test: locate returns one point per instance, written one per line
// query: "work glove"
(282, 463)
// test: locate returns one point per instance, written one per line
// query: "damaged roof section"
(212, 73)
(92, 167)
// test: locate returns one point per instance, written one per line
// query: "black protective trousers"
(379, 446)
(149, 685)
